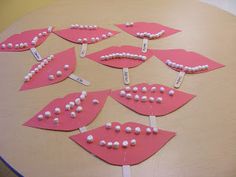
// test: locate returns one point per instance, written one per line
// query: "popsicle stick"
(36, 54)
(125, 72)
(126, 171)
(83, 50)
(179, 79)
(152, 121)
(145, 45)
(79, 79)
(82, 129)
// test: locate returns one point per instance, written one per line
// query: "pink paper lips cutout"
(120, 57)
(123, 144)
(85, 35)
(53, 69)
(25, 40)
(147, 30)
(71, 112)
(155, 99)
(187, 61)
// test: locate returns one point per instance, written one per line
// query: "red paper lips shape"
(85, 34)
(127, 144)
(71, 112)
(120, 57)
(25, 40)
(51, 70)
(147, 30)
(155, 99)
(187, 61)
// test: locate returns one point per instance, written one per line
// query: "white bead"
(151, 99)
(33, 42)
(84, 93)
(16, 46)
(32, 72)
(109, 34)
(95, 101)
(3, 46)
(85, 26)
(47, 114)
(144, 58)
(159, 99)
(40, 35)
(25, 44)
(56, 120)
(137, 130)
(122, 93)
(155, 130)
(108, 125)
(51, 77)
(127, 89)
(79, 109)
(109, 145)
(128, 96)
(97, 38)
(153, 89)
(135, 89)
(66, 67)
(26, 78)
(67, 107)
(73, 115)
(104, 36)
(144, 89)
(44, 33)
(9, 45)
(144, 98)
(36, 70)
(79, 40)
(57, 110)
(59, 73)
(81, 26)
(148, 130)
(45, 61)
(93, 39)
(102, 143)
(90, 138)
(125, 144)
(116, 145)
(77, 101)
(85, 40)
(171, 92)
(72, 104)
(133, 142)
(117, 128)
(127, 24)
(162, 89)
(40, 117)
(136, 97)
(128, 129)
(82, 97)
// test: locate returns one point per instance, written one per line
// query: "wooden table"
(206, 127)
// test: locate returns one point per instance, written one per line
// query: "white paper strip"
(83, 50)
(82, 129)
(179, 79)
(145, 45)
(36, 54)
(79, 79)
(152, 121)
(126, 171)
(126, 76)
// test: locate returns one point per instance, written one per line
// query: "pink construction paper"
(73, 35)
(66, 57)
(148, 27)
(26, 36)
(122, 62)
(187, 58)
(168, 105)
(147, 145)
(66, 123)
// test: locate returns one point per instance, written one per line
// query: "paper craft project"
(26, 40)
(147, 31)
(72, 112)
(123, 144)
(121, 57)
(53, 69)
(186, 62)
(84, 35)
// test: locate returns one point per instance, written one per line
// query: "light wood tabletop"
(205, 144)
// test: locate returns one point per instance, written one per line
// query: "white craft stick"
(83, 50)
(125, 72)
(82, 129)
(79, 79)
(179, 79)
(152, 121)
(36, 54)
(145, 45)
(126, 171)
